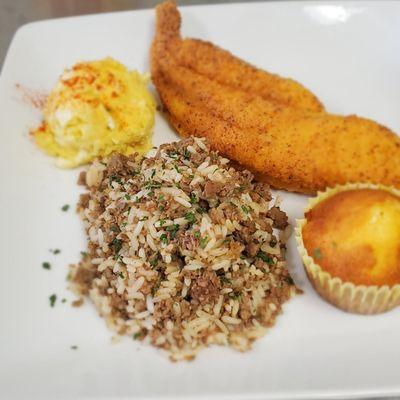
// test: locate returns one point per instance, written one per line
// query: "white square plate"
(348, 53)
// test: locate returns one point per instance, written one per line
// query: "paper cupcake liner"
(346, 295)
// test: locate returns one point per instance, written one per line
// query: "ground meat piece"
(279, 217)
(263, 190)
(84, 278)
(82, 178)
(211, 189)
(205, 289)
(83, 201)
(252, 249)
(115, 164)
(188, 241)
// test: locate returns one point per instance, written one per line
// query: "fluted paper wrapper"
(346, 295)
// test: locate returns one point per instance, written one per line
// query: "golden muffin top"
(355, 235)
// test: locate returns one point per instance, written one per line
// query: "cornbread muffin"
(350, 243)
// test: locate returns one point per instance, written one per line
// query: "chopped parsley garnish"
(46, 265)
(193, 198)
(153, 172)
(161, 197)
(116, 244)
(161, 208)
(64, 300)
(127, 197)
(84, 254)
(203, 242)
(201, 210)
(137, 335)
(172, 229)
(144, 219)
(197, 235)
(177, 169)
(187, 154)
(224, 279)
(154, 261)
(162, 222)
(114, 178)
(172, 154)
(245, 209)
(190, 217)
(164, 238)
(53, 299)
(55, 251)
(265, 257)
(152, 185)
(317, 254)
(65, 207)
(114, 228)
(121, 275)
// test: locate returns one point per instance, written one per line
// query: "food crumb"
(77, 303)
(53, 299)
(64, 300)
(65, 207)
(55, 251)
(74, 347)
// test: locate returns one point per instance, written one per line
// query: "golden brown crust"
(354, 235)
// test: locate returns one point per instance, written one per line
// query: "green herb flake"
(187, 154)
(55, 251)
(162, 222)
(153, 172)
(116, 244)
(52, 300)
(65, 207)
(46, 265)
(74, 347)
(127, 197)
(201, 210)
(84, 254)
(64, 300)
(154, 261)
(172, 229)
(161, 197)
(190, 217)
(114, 228)
(177, 169)
(193, 198)
(144, 219)
(245, 209)
(265, 257)
(164, 238)
(317, 254)
(224, 279)
(203, 242)
(161, 208)
(121, 275)
(137, 335)
(197, 235)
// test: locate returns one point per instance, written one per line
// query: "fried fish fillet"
(221, 66)
(286, 145)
